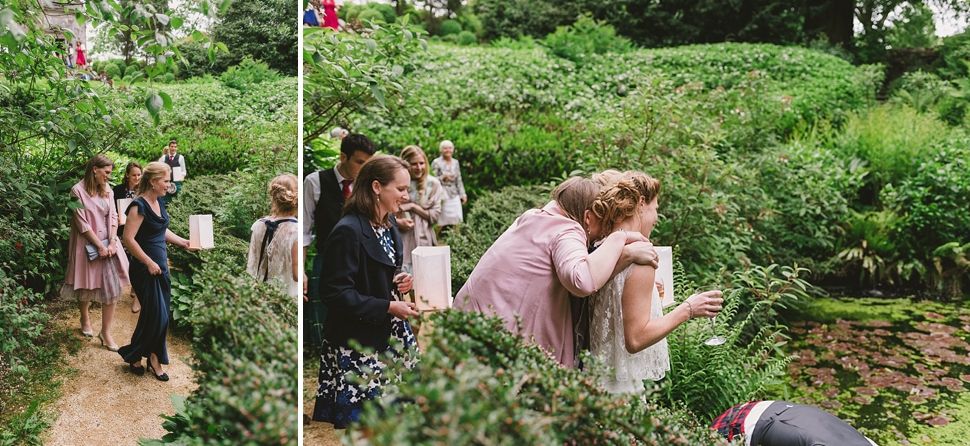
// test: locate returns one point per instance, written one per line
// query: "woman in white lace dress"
(628, 328)
(274, 245)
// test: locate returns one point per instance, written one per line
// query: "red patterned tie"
(345, 187)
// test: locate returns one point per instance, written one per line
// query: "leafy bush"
(245, 345)
(22, 321)
(202, 195)
(893, 141)
(168, 78)
(709, 380)
(521, 43)
(112, 70)
(466, 38)
(248, 72)
(919, 90)
(478, 383)
(449, 27)
(387, 11)
(368, 15)
(584, 38)
(489, 216)
(933, 202)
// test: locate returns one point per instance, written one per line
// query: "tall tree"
(263, 29)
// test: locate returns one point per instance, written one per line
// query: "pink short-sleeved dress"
(99, 280)
(530, 271)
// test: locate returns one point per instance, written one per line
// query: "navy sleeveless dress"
(154, 291)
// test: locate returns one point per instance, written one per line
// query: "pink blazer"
(83, 273)
(530, 271)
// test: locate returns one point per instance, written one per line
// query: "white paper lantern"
(432, 277)
(200, 231)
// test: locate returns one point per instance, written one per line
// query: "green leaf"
(198, 36)
(154, 103)
(177, 22)
(378, 94)
(166, 100)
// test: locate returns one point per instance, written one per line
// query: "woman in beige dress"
(102, 278)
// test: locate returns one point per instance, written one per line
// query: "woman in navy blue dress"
(146, 233)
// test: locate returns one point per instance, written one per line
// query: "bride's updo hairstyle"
(648, 186)
(616, 203)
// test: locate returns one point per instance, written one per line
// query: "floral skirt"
(339, 401)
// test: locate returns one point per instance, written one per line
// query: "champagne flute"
(397, 280)
(715, 339)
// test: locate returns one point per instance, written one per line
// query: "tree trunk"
(839, 21)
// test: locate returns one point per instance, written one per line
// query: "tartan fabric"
(731, 422)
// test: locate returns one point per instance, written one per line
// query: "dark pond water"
(897, 370)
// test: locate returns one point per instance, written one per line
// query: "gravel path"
(315, 433)
(104, 403)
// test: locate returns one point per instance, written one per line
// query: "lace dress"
(608, 344)
(270, 256)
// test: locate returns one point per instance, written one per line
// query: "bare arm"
(618, 251)
(295, 260)
(170, 237)
(639, 332)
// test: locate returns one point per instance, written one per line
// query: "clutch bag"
(92, 251)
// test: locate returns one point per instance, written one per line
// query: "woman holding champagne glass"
(628, 328)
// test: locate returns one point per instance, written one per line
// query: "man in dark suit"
(323, 201)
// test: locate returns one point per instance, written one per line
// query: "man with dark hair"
(177, 163)
(781, 423)
(324, 193)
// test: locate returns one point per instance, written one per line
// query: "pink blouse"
(530, 271)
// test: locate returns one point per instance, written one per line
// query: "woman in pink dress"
(330, 14)
(542, 258)
(102, 278)
(81, 62)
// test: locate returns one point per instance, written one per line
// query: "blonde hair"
(284, 194)
(648, 186)
(407, 154)
(91, 185)
(616, 203)
(574, 196)
(607, 177)
(152, 172)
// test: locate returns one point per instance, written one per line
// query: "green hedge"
(244, 342)
(476, 383)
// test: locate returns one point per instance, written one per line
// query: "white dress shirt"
(311, 194)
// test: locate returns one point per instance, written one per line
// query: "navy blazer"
(356, 283)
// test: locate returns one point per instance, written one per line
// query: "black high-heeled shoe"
(140, 370)
(162, 377)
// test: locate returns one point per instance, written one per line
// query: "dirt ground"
(315, 433)
(104, 403)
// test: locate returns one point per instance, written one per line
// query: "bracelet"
(691, 307)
